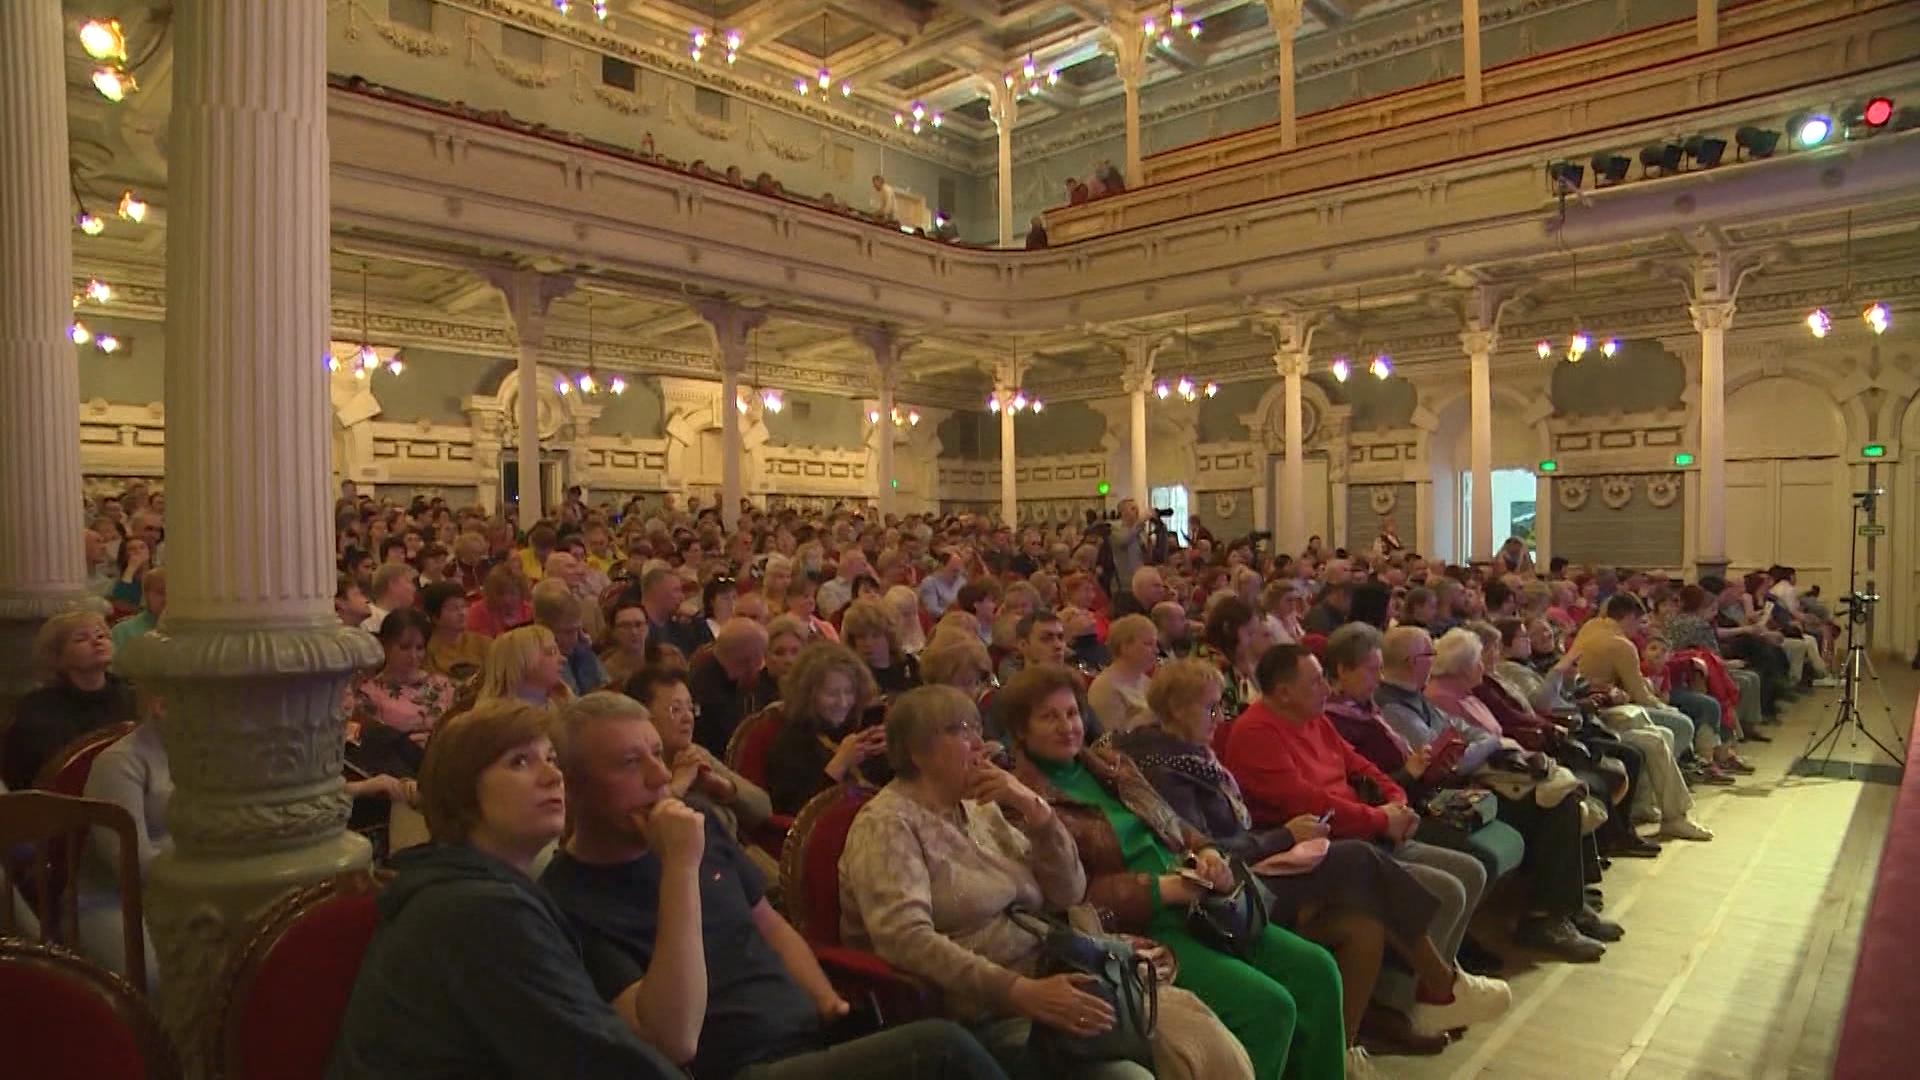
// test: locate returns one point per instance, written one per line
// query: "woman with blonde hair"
(956, 622)
(904, 604)
(1118, 695)
(959, 662)
(524, 665)
(868, 629)
(73, 651)
(823, 742)
(786, 636)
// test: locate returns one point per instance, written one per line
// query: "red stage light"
(1878, 111)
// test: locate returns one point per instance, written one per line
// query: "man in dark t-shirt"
(769, 1011)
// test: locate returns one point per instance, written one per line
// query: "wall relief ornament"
(680, 114)
(784, 149)
(404, 38)
(622, 101)
(1616, 491)
(1383, 499)
(1573, 492)
(533, 78)
(1663, 490)
(1225, 503)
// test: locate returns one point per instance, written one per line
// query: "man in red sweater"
(1289, 761)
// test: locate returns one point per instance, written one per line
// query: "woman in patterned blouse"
(403, 694)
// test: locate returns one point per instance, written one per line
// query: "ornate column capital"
(1003, 107)
(731, 325)
(1478, 343)
(1712, 314)
(1285, 17)
(1291, 363)
(529, 293)
(1128, 42)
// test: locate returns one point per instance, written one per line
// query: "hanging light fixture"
(103, 39)
(917, 117)
(588, 382)
(89, 224)
(700, 36)
(79, 334)
(771, 400)
(823, 77)
(98, 291)
(1819, 323)
(1381, 366)
(113, 83)
(1610, 348)
(131, 208)
(1877, 317)
(1342, 370)
(600, 10)
(365, 359)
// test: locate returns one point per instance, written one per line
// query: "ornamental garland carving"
(404, 38)
(621, 101)
(1225, 503)
(758, 137)
(680, 114)
(1383, 499)
(533, 78)
(1616, 492)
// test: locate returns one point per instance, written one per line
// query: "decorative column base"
(253, 729)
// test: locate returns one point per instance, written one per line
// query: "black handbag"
(1231, 922)
(1123, 978)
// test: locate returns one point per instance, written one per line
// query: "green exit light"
(895, 483)
(1104, 488)
(1683, 459)
(1549, 465)
(1874, 449)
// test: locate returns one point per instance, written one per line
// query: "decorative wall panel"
(1620, 520)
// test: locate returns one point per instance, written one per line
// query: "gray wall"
(1363, 524)
(1642, 377)
(1637, 534)
(1219, 419)
(433, 386)
(639, 412)
(1225, 527)
(137, 374)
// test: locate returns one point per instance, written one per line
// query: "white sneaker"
(1474, 999)
(1685, 829)
(1826, 682)
(1360, 1065)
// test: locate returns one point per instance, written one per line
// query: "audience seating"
(68, 1019)
(44, 837)
(810, 891)
(65, 773)
(747, 750)
(287, 990)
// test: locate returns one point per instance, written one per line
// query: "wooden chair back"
(44, 836)
(65, 773)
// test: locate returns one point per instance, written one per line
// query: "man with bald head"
(1176, 637)
(730, 683)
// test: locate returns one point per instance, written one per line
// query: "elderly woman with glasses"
(932, 868)
(1355, 901)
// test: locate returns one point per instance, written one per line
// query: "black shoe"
(1637, 848)
(1589, 922)
(1479, 959)
(1559, 937)
(1753, 735)
(1595, 898)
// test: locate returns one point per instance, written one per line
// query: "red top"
(1287, 769)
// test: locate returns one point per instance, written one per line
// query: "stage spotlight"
(1705, 151)
(1664, 157)
(1756, 142)
(1564, 177)
(1867, 117)
(1610, 169)
(1810, 129)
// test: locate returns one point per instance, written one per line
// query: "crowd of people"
(1104, 729)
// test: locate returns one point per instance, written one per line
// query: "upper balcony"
(1549, 106)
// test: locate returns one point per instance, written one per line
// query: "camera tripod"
(1855, 670)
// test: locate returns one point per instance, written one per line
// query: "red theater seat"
(68, 1019)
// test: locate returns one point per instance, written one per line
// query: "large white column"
(1470, 47)
(731, 325)
(1006, 384)
(1137, 379)
(529, 294)
(1292, 365)
(1130, 63)
(1712, 316)
(42, 561)
(1479, 347)
(1707, 23)
(887, 348)
(1005, 110)
(1284, 17)
(251, 661)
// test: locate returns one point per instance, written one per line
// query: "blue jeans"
(922, 1050)
(1678, 724)
(1704, 711)
(1006, 1040)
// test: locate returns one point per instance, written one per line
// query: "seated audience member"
(1077, 192)
(730, 683)
(1609, 660)
(1691, 627)
(1280, 603)
(1371, 603)
(626, 650)
(403, 696)
(473, 970)
(802, 606)
(717, 599)
(542, 539)
(1118, 695)
(868, 628)
(350, 601)
(469, 566)
(1333, 610)
(980, 599)
(1042, 643)
(153, 604)
(503, 603)
(1685, 684)
(393, 590)
(133, 775)
(957, 661)
(1147, 588)
(785, 638)
(1282, 1002)
(660, 594)
(934, 866)
(1037, 234)
(1354, 901)
(79, 694)
(1556, 918)
(136, 557)
(1289, 760)
(452, 649)
(942, 587)
(524, 665)
(825, 739)
(1235, 639)
(904, 605)
(679, 936)
(1174, 633)
(1110, 177)
(733, 800)
(559, 611)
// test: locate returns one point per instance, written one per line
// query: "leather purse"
(1231, 922)
(1122, 977)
